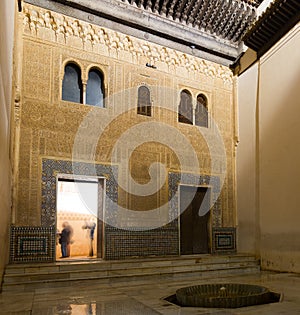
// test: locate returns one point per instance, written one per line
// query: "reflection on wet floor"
(144, 297)
(125, 307)
(87, 309)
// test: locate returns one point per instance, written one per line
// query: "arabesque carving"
(38, 18)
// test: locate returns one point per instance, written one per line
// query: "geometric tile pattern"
(224, 240)
(162, 241)
(50, 168)
(121, 244)
(31, 244)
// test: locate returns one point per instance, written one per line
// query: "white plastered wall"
(279, 154)
(268, 173)
(246, 162)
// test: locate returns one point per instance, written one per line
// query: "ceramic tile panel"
(224, 240)
(31, 244)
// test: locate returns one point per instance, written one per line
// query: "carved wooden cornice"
(274, 23)
(235, 16)
(35, 19)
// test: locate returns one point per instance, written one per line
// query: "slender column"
(84, 84)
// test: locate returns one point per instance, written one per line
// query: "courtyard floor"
(145, 298)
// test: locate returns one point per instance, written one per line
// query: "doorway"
(194, 220)
(79, 217)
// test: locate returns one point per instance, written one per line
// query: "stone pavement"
(145, 298)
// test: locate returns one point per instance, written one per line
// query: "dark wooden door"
(194, 231)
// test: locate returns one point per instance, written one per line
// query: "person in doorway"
(91, 225)
(65, 239)
(70, 240)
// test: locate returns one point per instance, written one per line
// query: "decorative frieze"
(92, 37)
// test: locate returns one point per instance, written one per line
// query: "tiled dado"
(32, 244)
(162, 241)
(37, 244)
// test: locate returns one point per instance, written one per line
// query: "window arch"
(95, 88)
(144, 101)
(185, 110)
(201, 113)
(72, 85)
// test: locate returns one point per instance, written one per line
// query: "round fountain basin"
(225, 295)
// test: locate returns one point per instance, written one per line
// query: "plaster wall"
(246, 162)
(6, 54)
(268, 157)
(279, 154)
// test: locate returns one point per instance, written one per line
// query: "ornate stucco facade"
(48, 130)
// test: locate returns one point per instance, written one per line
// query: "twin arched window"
(144, 101)
(72, 87)
(185, 109)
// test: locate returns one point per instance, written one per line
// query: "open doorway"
(194, 220)
(79, 218)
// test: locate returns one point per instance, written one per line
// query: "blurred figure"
(65, 239)
(91, 225)
(70, 239)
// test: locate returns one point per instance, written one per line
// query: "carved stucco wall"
(7, 9)
(49, 126)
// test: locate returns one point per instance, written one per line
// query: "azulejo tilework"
(224, 240)
(121, 243)
(50, 170)
(31, 244)
(162, 241)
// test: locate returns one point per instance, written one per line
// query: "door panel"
(186, 221)
(194, 231)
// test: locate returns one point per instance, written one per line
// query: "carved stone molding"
(35, 19)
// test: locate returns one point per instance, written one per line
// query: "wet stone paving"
(145, 297)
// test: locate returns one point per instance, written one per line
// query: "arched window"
(95, 88)
(72, 85)
(144, 102)
(185, 110)
(201, 113)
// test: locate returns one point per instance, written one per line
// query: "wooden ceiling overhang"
(276, 21)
